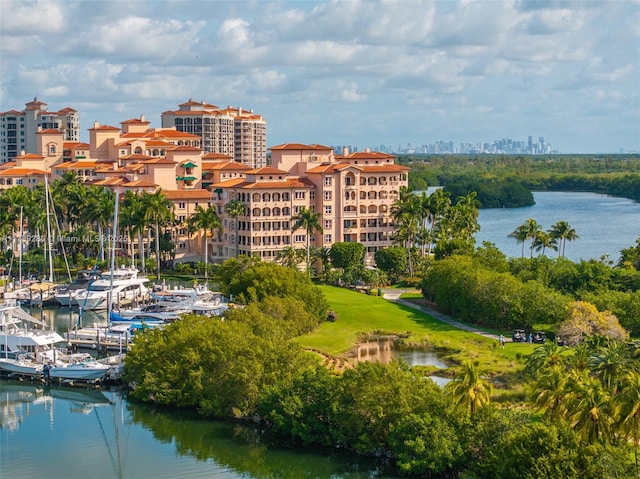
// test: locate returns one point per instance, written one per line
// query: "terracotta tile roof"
(113, 181)
(299, 146)
(140, 184)
(190, 102)
(68, 110)
(267, 170)
(76, 145)
(186, 148)
(160, 161)
(266, 185)
(387, 168)
(135, 121)
(77, 164)
(224, 165)
(136, 157)
(187, 194)
(135, 167)
(49, 131)
(11, 112)
(104, 127)
(16, 171)
(7, 165)
(366, 155)
(217, 156)
(30, 156)
(332, 168)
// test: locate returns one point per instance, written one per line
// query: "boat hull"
(20, 367)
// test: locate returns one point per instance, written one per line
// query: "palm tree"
(132, 219)
(158, 211)
(233, 209)
(546, 355)
(521, 234)
(626, 406)
(99, 210)
(290, 256)
(308, 220)
(550, 391)
(440, 203)
(469, 388)
(467, 217)
(406, 213)
(208, 221)
(532, 228)
(610, 364)
(544, 240)
(589, 408)
(563, 232)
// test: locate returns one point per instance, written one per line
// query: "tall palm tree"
(589, 408)
(158, 211)
(208, 221)
(406, 212)
(532, 227)
(563, 232)
(132, 219)
(290, 257)
(521, 235)
(467, 221)
(550, 391)
(309, 221)
(470, 388)
(610, 363)
(440, 203)
(544, 240)
(99, 211)
(233, 209)
(626, 406)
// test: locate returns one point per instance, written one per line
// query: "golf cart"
(518, 336)
(539, 337)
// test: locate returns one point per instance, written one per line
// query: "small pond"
(386, 349)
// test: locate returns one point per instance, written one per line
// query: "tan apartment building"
(235, 132)
(18, 129)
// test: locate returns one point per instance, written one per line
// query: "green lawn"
(360, 314)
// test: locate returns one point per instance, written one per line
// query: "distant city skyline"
(355, 72)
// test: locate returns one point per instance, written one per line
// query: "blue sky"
(362, 73)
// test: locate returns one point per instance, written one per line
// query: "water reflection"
(386, 349)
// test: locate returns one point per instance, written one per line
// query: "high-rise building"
(235, 132)
(18, 129)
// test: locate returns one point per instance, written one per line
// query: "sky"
(348, 72)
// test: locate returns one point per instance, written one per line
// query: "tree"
(544, 240)
(521, 235)
(470, 389)
(563, 232)
(309, 221)
(392, 260)
(290, 256)
(347, 255)
(234, 209)
(407, 212)
(626, 405)
(207, 221)
(583, 320)
(158, 211)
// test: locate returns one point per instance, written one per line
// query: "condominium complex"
(353, 193)
(18, 128)
(235, 132)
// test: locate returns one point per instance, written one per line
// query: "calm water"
(53, 433)
(605, 224)
(76, 433)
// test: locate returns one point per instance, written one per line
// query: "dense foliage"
(616, 175)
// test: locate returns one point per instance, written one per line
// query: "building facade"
(18, 129)
(235, 132)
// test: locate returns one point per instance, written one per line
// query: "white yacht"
(119, 285)
(75, 288)
(25, 345)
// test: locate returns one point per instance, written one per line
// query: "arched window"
(276, 212)
(373, 209)
(276, 197)
(138, 150)
(266, 211)
(286, 211)
(255, 212)
(363, 209)
(286, 197)
(255, 197)
(266, 196)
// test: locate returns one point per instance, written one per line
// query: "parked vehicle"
(519, 336)
(539, 337)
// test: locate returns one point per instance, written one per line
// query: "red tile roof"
(187, 194)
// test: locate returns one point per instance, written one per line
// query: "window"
(327, 181)
(299, 238)
(299, 195)
(297, 209)
(327, 195)
(327, 238)
(181, 205)
(328, 224)
(327, 210)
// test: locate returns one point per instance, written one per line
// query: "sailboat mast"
(20, 250)
(113, 254)
(49, 239)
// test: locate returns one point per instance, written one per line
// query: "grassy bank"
(359, 315)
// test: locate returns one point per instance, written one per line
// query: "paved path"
(394, 295)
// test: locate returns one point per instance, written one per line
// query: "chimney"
(142, 118)
(96, 124)
(367, 150)
(345, 151)
(115, 166)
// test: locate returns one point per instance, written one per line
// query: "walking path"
(394, 295)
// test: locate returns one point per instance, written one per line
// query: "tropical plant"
(563, 232)
(159, 212)
(234, 209)
(309, 221)
(208, 221)
(470, 389)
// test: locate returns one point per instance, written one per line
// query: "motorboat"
(77, 367)
(25, 343)
(119, 285)
(76, 287)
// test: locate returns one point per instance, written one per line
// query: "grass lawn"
(360, 314)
